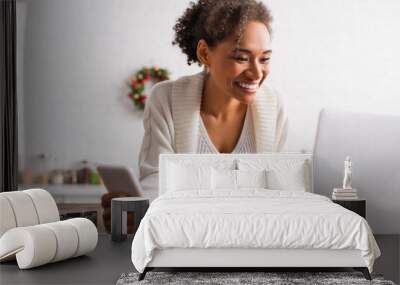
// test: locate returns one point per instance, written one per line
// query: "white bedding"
(251, 218)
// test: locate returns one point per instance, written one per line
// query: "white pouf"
(7, 216)
(31, 232)
(23, 209)
(45, 205)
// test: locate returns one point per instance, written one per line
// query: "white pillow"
(281, 174)
(229, 179)
(223, 179)
(290, 176)
(251, 178)
(182, 177)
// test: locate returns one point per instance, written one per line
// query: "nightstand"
(358, 206)
(119, 208)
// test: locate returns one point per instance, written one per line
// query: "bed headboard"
(226, 160)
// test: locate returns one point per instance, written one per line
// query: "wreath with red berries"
(138, 81)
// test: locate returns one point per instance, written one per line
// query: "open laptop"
(373, 142)
(120, 179)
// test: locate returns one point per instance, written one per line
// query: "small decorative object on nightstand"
(358, 206)
(347, 192)
(347, 196)
(119, 208)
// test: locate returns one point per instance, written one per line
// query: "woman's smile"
(248, 88)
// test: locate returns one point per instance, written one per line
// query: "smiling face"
(237, 71)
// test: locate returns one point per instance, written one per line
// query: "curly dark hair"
(214, 21)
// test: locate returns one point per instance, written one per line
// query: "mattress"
(250, 219)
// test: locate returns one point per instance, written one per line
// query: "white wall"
(78, 54)
(339, 54)
(78, 57)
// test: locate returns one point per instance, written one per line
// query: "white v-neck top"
(245, 144)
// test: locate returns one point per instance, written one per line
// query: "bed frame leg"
(364, 271)
(143, 274)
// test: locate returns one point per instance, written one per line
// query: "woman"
(225, 108)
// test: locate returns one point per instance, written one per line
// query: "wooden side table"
(119, 208)
(358, 206)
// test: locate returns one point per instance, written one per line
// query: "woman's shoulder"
(162, 91)
(274, 93)
(271, 90)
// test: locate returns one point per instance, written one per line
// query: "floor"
(110, 260)
(389, 262)
(102, 266)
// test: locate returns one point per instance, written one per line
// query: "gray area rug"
(269, 278)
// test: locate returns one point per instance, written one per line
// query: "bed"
(247, 211)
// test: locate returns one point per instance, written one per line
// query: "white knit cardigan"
(171, 123)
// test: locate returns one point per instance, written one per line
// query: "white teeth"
(248, 86)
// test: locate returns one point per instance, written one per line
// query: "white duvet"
(251, 218)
